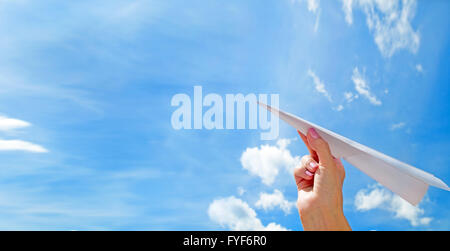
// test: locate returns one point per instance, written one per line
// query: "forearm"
(324, 220)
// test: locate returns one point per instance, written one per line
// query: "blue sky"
(85, 88)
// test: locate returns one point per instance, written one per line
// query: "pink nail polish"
(309, 173)
(313, 133)
(312, 164)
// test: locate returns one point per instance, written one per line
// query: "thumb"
(321, 147)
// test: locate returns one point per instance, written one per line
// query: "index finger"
(311, 151)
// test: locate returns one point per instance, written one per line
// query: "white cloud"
(19, 145)
(320, 86)
(275, 227)
(283, 143)
(316, 24)
(363, 88)
(237, 215)
(381, 198)
(7, 124)
(266, 161)
(348, 10)
(389, 21)
(365, 200)
(339, 108)
(313, 5)
(349, 96)
(404, 210)
(269, 201)
(397, 126)
(419, 68)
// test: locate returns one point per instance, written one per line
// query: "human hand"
(319, 180)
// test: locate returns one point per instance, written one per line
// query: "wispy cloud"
(7, 124)
(313, 7)
(20, 145)
(380, 198)
(320, 86)
(389, 21)
(137, 174)
(419, 68)
(397, 126)
(241, 191)
(349, 96)
(237, 215)
(266, 161)
(39, 207)
(347, 7)
(339, 108)
(362, 87)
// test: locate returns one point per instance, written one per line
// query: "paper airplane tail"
(441, 184)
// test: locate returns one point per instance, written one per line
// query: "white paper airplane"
(407, 181)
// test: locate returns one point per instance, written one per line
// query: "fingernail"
(313, 133)
(309, 173)
(312, 164)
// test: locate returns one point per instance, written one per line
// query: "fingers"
(321, 147)
(302, 184)
(311, 151)
(309, 163)
(306, 169)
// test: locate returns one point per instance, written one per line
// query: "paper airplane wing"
(407, 181)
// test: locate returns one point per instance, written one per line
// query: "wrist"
(324, 219)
